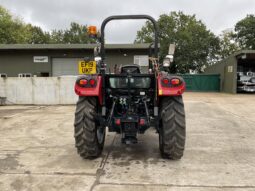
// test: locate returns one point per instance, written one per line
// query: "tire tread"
(173, 127)
(85, 128)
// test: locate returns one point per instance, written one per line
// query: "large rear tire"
(89, 136)
(172, 128)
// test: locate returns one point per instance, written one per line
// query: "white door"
(65, 66)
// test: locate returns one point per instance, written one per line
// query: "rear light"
(87, 82)
(165, 81)
(83, 82)
(117, 121)
(175, 81)
(92, 82)
(142, 122)
(168, 82)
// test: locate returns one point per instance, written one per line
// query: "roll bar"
(128, 17)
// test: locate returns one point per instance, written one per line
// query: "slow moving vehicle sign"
(87, 67)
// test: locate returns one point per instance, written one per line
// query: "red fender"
(170, 91)
(91, 91)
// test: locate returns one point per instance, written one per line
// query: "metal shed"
(62, 59)
(231, 69)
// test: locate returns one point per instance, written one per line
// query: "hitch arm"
(112, 110)
(146, 110)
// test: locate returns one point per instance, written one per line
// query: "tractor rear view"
(129, 102)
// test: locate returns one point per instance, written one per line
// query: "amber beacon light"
(92, 31)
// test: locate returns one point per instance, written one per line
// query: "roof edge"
(70, 46)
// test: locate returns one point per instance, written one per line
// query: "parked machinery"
(129, 102)
(246, 81)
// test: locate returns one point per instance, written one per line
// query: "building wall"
(230, 75)
(217, 69)
(227, 69)
(121, 58)
(21, 61)
(13, 62)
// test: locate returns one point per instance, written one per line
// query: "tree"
(15, 31)
(196, 46)
(76, 34)
(35, 35)
(228, 45)
(12, 29)
(57, 37)
(245, 32)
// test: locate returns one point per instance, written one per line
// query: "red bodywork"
(170, 91)
(91, 91)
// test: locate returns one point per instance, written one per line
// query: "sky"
(217, 15)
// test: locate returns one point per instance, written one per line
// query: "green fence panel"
(202, 82)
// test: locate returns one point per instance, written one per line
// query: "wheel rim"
(100, 134)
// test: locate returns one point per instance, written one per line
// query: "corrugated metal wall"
(202, 82)
(227, 69)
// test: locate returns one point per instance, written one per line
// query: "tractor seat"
(133, 69)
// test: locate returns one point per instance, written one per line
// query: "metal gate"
(202, 82)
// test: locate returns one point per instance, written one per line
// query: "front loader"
(128, 101)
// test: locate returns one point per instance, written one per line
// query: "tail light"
(168, 82)
(117, 121)
(83, 82)
(175, 81)
(92, 82)
(142, 122)
(165, 81)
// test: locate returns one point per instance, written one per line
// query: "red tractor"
(129, 102)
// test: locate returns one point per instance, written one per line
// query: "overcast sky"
(218, 15)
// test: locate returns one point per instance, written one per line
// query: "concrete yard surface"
(37, 151)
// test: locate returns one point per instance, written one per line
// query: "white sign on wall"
(230, 69)
(141, 60)
(41, 59)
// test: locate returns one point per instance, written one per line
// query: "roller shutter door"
(65, 66)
